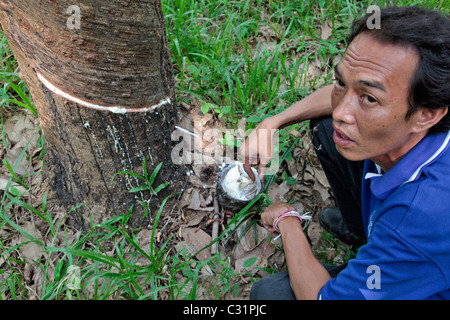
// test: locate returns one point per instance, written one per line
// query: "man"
(386, 153)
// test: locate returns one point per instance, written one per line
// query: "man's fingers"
(262, 168)
(248, 169)
(262, 171)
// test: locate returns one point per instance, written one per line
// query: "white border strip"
(113, 109)
(434, 156)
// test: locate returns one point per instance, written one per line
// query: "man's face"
(370, 102)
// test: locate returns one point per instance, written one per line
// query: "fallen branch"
(215, 229)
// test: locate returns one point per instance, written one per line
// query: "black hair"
(428, 33)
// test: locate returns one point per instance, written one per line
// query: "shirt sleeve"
(386, 268)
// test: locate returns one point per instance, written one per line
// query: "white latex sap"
(238, 185)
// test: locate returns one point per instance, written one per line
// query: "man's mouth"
(341, 139)
(342, 136)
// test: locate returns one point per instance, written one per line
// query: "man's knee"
(273, 287)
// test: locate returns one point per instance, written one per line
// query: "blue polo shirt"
(406, 214)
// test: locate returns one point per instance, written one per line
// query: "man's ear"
(425, 118)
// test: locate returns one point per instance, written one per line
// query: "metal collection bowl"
(228, 202)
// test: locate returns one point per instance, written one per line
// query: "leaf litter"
(307, 191)
(193, 220)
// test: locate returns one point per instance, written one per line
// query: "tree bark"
(104, 91)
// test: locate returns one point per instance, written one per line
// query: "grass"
(244, 57)
(239, 59)
(252, 58)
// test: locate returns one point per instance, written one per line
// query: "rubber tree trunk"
(100, 75)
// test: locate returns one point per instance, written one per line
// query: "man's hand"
(257, 149)
(272, 212)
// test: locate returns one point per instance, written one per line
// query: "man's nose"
(345, 109)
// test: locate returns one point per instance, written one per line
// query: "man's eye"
(368, 99)
(339, 82)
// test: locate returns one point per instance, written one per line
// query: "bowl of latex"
(235, 189)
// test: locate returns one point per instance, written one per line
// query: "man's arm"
(257, 151)
(306, 274)
(316, 105)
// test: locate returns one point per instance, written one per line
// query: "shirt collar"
(409, 168)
